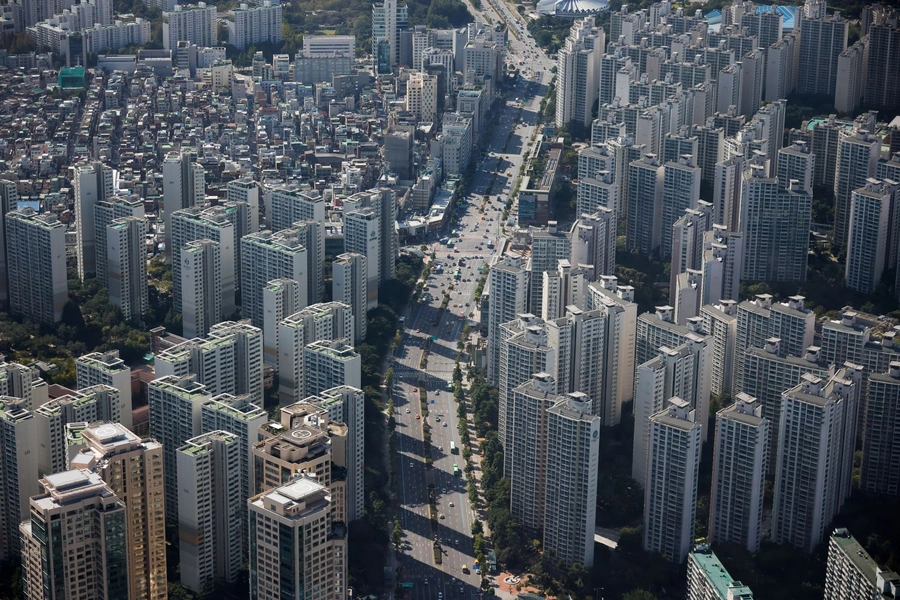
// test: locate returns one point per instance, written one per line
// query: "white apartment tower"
(821, 43)
(362, 235)
(288, 204)
(36, 259)
(18, 470)
(869, 241)
(645, 189)
(578, 73)
(816, 441)
(881, 440)
(508, 297)
(687, 238)
(19, 381)
(797, 161)
(184, 186)
(858, 151)
(201, 287)
(573, 458)
(720, 327)
(175, 404)
(548, 247)
(526, 449)
(266, 256)
(775, 219)
(349, 284)
(209, 503)
(707, 578)
(253, 25)
(120, 206)
(723, 259)
(330, 322)
(680, 191)
(191, 23)
(563, 289)
(280, 299)
(670, 498)
(127, 266)
(388, 20)
(598, 191)
(593, 240)
(328, 364)
(739, 474)
(616, 370)
(94, 183)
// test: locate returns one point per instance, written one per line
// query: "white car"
(451, 505)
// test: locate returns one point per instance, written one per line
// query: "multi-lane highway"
(498, 166)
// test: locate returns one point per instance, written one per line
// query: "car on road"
(445, 423)
(418, 417)
(408, 411)
(451, 505)
(442, 517)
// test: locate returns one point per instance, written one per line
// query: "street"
(498, 167)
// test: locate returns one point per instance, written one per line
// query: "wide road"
(498, 166)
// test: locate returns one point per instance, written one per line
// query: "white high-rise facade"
(508, 297)
(573, 458)
(858, 151)
(852, 574)
(720, 327)
(673, 465)
(739, 474)
(93, 184)
(201, 286)
(362, 235)
(184, 186)
(388, 20)
(680, 191)
(122, 205)
(36, 259)
(598, 191)
(349, 276)
(127, 266)
(266, 256)
(645, 189)
(288, 204)
(869, 241)
(881, 440)
(18, 471)
(594, 242)
(253, 25)
(822, 41)
(280, 299)
(578, 73)
(107, 368)
(548, 247)
(328, 364)
(687, 240)
(209, 502)
(816, 441)
(191, 23)
(175, 404)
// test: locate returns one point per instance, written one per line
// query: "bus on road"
(452, 448)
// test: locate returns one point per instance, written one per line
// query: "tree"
(638, 595)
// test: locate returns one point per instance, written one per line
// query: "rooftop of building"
(716, 574)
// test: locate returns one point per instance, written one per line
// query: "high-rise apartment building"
(720, 326)
(593, 241)
(616, 368)
(184, 186)
(658, 329)
(707, 578)
(133, 470)
(209, 501)
(280, 299)
(255, 25)
(294, 546)
(759, 319)
(680, 192)
(328, 364)
(673, 465)
(175, 403)
(775, 219)
(881, 85)
(200, 282)
(362, 235)
(682, 371)
(191, 23)
(816, 441)
(289, 204)
(852, 574)
(53, 562)
(870, 239)
(266, 256)
(858, 151)
(526, 449)
(508, 297)
(821, 43)
(851, 80)
(686, 240)
(739, 474)
(36, 259)
(127, 266)
(9, 197)
(797, 161)
(388, 20)
(288, 449)
(331, 321)
(578, 73)
(349, 277)
(645, 187)
(18, 470)
(548, 247)
(722, 261)
(573, 457)
(768, 372)
(881, 438)
(93, 183)
(598, 191)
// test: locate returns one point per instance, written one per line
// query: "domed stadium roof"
(572, 8)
